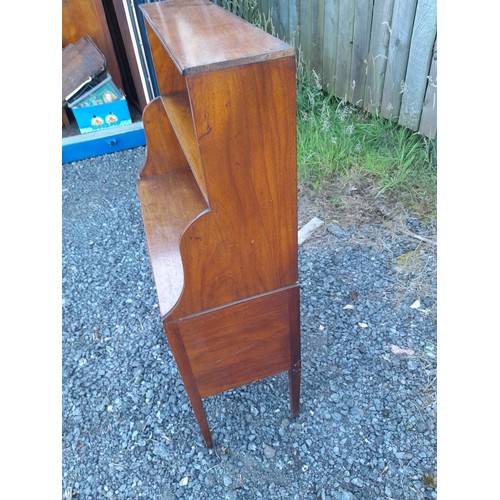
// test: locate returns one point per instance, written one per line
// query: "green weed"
(336, 139)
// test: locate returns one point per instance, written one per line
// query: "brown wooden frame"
(218, 193)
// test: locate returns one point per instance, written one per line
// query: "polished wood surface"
(247, 244)
(178, 111)
(238, 344)
(169, 202)
(164, 152)
(295, 370)
(182, 360)
(219, 198)
(167, 75)
(201, 36)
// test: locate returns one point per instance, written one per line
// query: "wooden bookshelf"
(218, 193)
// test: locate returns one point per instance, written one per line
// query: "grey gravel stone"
(269, 451)
(357, 482)
(366, 426)
(337, 231)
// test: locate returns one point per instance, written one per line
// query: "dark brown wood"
(234, 345)
(247, 244)
(219, 199)
(179, 113)
(65, 119)
(179, 352)
(165, 154)
(82, 61)
(168, 78)
(169, 202)
(87, 17)
(294, 372)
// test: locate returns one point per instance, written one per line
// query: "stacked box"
(102, 107)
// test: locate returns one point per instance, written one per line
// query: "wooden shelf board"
(178, 110)
(169, 203)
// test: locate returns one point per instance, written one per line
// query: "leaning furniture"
(218, 192)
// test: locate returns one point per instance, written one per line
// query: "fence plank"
(330, 44)
(305, 33)
(428, 118)
(317, 13)
(361, 43)
(266, 7)
(403, 17)
(377, 56)
(293, 21)
(367, 51)
(283, 6)
(276, 17)
(422, 41)
(344, 48)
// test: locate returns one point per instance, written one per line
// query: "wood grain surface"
(237, 344)
(218, 194)
(201, 36)
(169, 203)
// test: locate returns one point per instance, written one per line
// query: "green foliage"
(334, 138)
(430, 481)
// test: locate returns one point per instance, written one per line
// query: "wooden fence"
(380, 55)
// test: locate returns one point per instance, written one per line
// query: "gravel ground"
(367, 425)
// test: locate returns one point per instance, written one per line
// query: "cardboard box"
(102, 107)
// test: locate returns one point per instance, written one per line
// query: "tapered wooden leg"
(294, 373)
(175, 342)
(199, 413)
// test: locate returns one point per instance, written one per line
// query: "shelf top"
(201, 36)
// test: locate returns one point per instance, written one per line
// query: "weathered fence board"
(428, 118)
(276, 15)
(330, 44)
(403, 16)
(360, 47)
(293, 17)
(377, 54)
(422, 41)
(344, 49)
(317, 12)
(265, 5)
(305, 30)
(284, 19)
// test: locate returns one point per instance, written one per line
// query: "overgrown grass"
(337, 140)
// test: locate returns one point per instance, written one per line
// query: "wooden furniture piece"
(87, 17)
(218, 192)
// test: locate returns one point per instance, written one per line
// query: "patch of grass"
(336, 140)
(430, 480)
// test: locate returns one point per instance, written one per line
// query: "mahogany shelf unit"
(218, 192)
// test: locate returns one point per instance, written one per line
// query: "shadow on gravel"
(367, 425)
